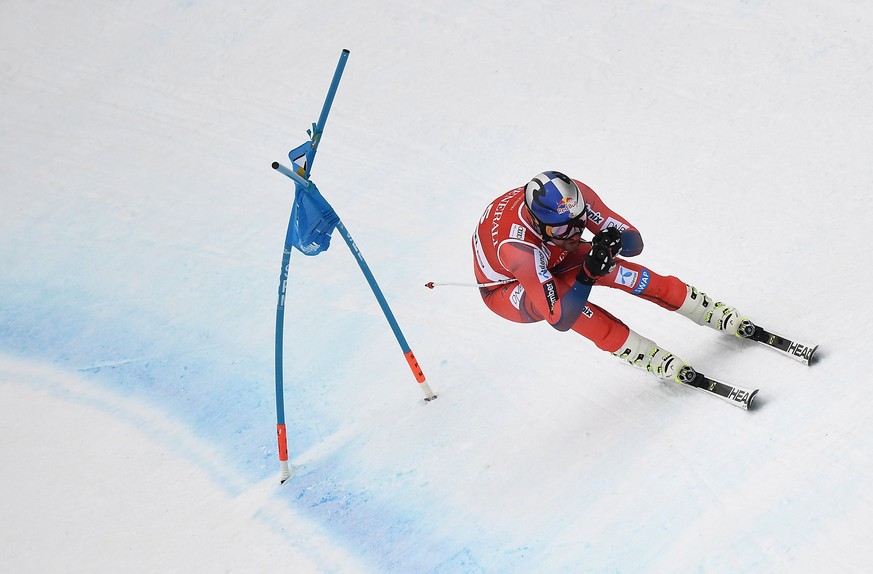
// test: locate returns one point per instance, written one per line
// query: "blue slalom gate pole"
(299, 176)
(374, 286)
(308, 149)
(398, 334)
(325, 109)
(281, 434)
(302, 158)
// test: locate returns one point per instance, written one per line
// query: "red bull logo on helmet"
(566, 205)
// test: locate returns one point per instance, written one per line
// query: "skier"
(529, 247)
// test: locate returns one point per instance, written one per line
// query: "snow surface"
(142, 234)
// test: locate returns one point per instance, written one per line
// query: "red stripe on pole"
(413, 364)
(283, 443)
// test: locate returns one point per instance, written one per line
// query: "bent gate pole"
(300, 175)
(308, 150)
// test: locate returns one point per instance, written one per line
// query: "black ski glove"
(609, 238)
(597, 263)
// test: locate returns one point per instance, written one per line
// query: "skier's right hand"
(597, 263)
(609, 238)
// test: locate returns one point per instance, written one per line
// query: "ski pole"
(432, 284)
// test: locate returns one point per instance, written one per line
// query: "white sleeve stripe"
(489, 272)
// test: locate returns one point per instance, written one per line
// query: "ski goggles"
(566, 230)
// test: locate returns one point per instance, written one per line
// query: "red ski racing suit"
(538, 279)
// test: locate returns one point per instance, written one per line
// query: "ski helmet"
(556, 204)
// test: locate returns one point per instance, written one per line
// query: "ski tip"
(752, 396)
(813, 358)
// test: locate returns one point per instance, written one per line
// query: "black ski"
(801, 352)
(737, 396)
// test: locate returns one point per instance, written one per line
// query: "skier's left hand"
(609, 238)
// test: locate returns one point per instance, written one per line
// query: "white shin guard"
(699, 307)
(644, 354)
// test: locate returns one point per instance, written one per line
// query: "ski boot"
(644, 354)
(699, 307)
